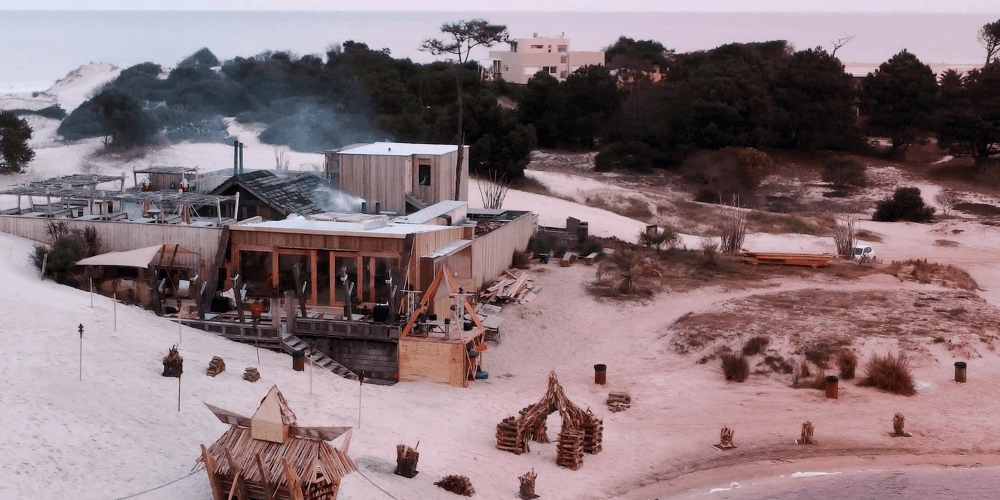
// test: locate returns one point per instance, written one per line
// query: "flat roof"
(431, 212)
(400, 149)
(299, 224)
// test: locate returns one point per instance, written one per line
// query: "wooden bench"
(567, 259)
(590, 258)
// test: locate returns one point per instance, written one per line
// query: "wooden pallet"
(788, 259)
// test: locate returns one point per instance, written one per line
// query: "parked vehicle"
(864, 254)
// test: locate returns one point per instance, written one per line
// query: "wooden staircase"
(290, 343)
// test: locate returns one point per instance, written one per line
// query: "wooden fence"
(493, 252)
(121, 236)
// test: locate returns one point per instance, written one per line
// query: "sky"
(520, 5)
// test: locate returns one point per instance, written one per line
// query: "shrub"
(735, 367)
(635, 156)
(734, 230)
(905, 204)
(541, 243)
(848, 362)
(62, 257)
(846, 236)
(947, 199)
(889, 373)
(659, 238)
(710, 250)
(755, 345)
(521, 260)
(54, 112)
(802, 372)
(591, 245)
(728, 173)
(844, 172)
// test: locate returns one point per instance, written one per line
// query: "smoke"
(334, 200)
(309, 124)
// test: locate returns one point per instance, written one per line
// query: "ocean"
(39, 47)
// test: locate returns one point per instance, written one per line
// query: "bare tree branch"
(840, 43)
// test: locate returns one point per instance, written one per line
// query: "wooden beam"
(294, 486)
(237, 476)
(213, 475)
(265, 474)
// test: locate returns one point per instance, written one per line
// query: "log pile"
(251, 374)
(569, 452)
(406, 460)
(509, 437)
(539, 432)
(215, 367)
(173, 363)
(513, 286)
(593, 434)
(457, 484)
(619, 401)
(527, 491)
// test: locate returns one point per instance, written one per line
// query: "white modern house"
(528, 56)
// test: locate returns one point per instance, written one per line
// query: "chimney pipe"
(241, 157)
(364, 207)
(378, 207)
(236, 158)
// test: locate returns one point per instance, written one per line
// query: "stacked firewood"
(539, 433)
(457, 484)
(215, 367)
(569, 452)
(512, 286)
(509, 437)
(619, 401)
(527, 491)
(251, 374)
(807, 433)
(406, 460)
(593, 434)
(726, 438)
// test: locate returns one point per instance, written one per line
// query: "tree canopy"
(901, 97)
(989, 37)
(465, 35)
(15, 152)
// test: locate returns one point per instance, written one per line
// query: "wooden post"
(290, 310)
(45, 261)
(361, 384)
(213, 474)
(179, 392)
(91, 292)
(238, 295)
(114, 309)
(294, 486)
(265, 474)
(237, 475)
(81, 351)
(180, 333)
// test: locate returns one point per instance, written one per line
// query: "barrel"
(299, 360)
(960, 367)
(600, 374)
(832, 388)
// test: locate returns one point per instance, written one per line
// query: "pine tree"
(14, 136)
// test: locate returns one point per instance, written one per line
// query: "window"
(536, 46)
(496, 65)
(513, 46)
(506, 68)
(563, 48)
(424, 175)
(552, 69)
(563, 59)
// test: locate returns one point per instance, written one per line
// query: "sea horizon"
(48, 44)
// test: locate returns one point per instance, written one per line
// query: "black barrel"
(832, 387)
(600, 374)
(299, 360)
(960, 367)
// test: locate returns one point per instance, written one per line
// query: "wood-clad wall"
(428, 360)
(382, 179)
(425, 243)
(123, 236)
(492, 253)
(386, 179)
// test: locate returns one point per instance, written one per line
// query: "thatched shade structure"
(293, 463)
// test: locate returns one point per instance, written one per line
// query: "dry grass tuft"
(735, 367)
(848, 363)
(890, 373)
(922, 271)
(870, 237)
(846, 236)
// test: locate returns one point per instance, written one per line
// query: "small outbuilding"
(269, 457)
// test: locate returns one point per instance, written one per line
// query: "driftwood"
(897, 426)
(527, 491)
(406, 460)
(512, 286)
(251, 374)
(173, 363)
(215, 367)
(457, 484)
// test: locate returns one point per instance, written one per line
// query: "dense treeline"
(733, 99)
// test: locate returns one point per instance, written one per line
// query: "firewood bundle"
(509, 437)
(569, 451)
(457, 484)
(173, 363)
(807, 433)
(527, 491)
(251, 374)
(726, 438)
(215, 367)
(406, 460)
(897, 426)
(593, 434)
(512, 286)
(619, 401)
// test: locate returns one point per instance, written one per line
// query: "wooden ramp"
(788, 259)
(291, 343)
